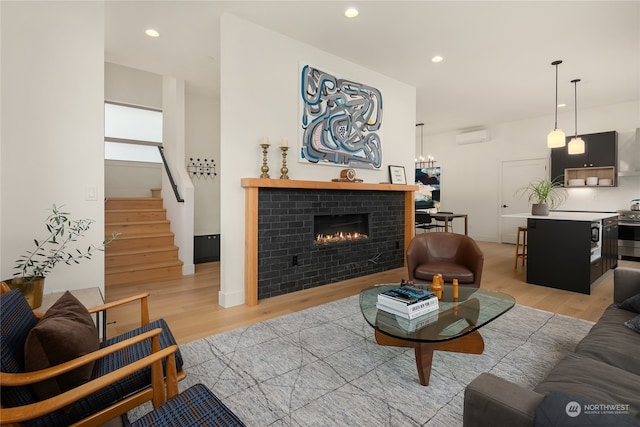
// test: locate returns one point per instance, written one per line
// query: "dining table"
(448, 217)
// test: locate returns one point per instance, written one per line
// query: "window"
(132, 133)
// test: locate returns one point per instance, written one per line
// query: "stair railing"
(171, 180)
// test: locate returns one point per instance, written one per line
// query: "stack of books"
(407, 301)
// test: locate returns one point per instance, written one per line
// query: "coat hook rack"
(202, 168)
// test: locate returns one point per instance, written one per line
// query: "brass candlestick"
(283, 169)
(265, 166)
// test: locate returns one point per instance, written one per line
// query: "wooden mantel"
(252, 186)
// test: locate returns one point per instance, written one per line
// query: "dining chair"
(424, 222)
(440, 222)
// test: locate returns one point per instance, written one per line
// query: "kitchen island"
(570, 250)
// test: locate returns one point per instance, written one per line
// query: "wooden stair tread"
(125, 199)
(149, 266)
(151, 221)
(135, 210)
(130, 252)
(143, 235)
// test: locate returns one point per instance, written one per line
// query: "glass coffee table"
(454, 327)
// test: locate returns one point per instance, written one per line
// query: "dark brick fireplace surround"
(280, 253)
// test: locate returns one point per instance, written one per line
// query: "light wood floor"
(190, 304)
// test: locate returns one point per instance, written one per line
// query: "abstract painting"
(341, 121)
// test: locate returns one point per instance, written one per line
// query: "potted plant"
(544, 194)
(35, 264)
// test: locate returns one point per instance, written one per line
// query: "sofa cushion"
(611, 342)
(597, 381)
(631, 304)
(64, 333)
(633, 324)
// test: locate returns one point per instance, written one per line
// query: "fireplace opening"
(328, 229)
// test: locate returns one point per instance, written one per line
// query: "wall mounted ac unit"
(472, 137)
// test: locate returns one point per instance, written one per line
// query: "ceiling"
(497, 55)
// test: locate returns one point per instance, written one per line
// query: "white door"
(516, 174)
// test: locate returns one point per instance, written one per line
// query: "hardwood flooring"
(190, 304)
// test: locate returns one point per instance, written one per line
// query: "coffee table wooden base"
(471, 343)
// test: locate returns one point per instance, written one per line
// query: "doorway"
(515, 175)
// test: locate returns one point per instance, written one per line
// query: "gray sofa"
(604, 369)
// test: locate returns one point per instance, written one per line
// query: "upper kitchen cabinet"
(595, 167)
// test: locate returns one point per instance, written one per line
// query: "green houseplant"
(544, 194)
(58, 246)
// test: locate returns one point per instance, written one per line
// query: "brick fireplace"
(370, 227)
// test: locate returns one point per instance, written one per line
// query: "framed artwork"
(341, 121)
(397, 175)
(429, 181)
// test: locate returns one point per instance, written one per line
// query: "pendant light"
(556, 137)
(576, 145)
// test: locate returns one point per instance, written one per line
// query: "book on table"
(408, 300)
(410, 325)
(409, 312)
(407, 294)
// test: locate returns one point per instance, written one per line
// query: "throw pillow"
(631, 304)
(633, 324)
(65, 332)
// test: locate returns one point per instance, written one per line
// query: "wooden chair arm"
(26, 378)
(38, 409)
(144, 306)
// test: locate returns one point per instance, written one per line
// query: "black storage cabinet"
(206, 248)
(559, 255)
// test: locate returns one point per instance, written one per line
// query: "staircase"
(145, 249)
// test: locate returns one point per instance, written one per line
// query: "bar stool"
(521, 255)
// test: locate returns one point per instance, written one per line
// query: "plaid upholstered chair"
(196, 406)
(139, 366)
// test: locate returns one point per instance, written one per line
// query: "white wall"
(471, 173)
(179, 213)
(132, 86)
(202, 127)
(260, 97)
(52, 129)
(202, 139)
(131, 179)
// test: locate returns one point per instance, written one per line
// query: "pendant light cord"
(556, 63)
(421, 138)
(555, 124)
(575, 87)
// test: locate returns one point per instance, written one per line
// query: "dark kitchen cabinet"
(601, 150)
(609, 243)
(559, 253)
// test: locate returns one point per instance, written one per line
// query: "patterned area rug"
(322, 367)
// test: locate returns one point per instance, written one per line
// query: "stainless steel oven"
(629, 235)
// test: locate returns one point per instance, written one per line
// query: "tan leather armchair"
(455, 256)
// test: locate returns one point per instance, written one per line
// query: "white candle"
(265, 139)
(284, 143)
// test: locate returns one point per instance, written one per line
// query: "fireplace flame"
(322, 239)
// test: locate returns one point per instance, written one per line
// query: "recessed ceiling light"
(352, 12)
(437, 58)
(152, 33)
(562, 105)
